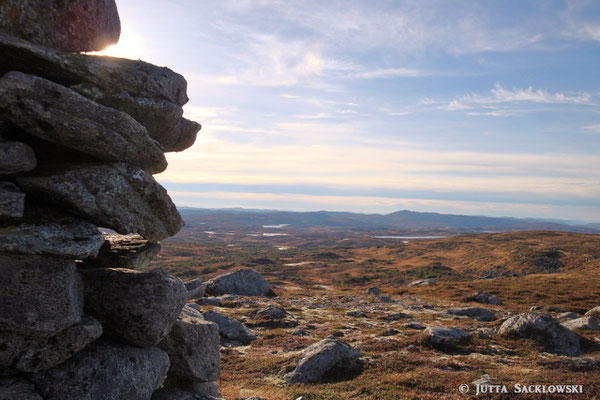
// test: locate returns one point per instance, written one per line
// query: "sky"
(465, 107)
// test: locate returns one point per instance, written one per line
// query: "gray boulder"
(190, 391)
(193, 347)
(163, 119)
(567, 316)
(15, 157)
(73, 26)
(123, 251)
(374, 290)
(230, 329)
(594, 312)
(422, 282)
(14, 388)
(443, 338)
(12, 202)
(137, 78)
(63, 236)
(271, 312)
(484, 298)
(116, 196)
(60, 115)
(478, 313)
(245, 282)
(545, 330)
(590, 323)
(195, 288)
(105, 371)
(41, 296)
(33, 353)
(138, 308)
(321, 358)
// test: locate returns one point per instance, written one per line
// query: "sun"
(130, 46)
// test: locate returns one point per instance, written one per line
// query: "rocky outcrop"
(321, 358)
(545, 330)
(136, 307)
(245, 282)
(80, 136)
(76, 25)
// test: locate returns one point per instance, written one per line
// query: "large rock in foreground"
(246, 282)
(15, 157)
(105, 371)
(123, 251)
(12, 202)
(545, 330)
(73, 26)
(41, 296)
(321, 358)
(60, 115)
(135, 77)
(136, 307)
(193, 348)
(12, 388)
(116, 196)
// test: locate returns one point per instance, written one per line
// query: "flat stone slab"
(72, 26)
(117, 196)
(138, 308)
(123, 251)
(60, 115)
(105, 371)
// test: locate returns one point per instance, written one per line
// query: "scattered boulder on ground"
(123, 251)
(273, 317)
(60, 115)
(545, 330)
(385, 299)
(12, 202)
(193, 347)
(422, 282)
(395, 316)
(14, 388)
(42, 295)
(484, 298)
(195, 289)
(443, 338)
(32, 353)
(374, 290)
(230, 329)
(245, 282)
(106, 371)
(271, 312)
(356, 313)
(590, 323)
(478, 313)
(414, 325)
(594, 312)
(116, 196)
(136, 307)
(321, 358)
(74, 26)
(15, 157)
(567, 316)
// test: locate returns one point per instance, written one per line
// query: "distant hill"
(401, 220)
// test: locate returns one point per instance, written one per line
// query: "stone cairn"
(80, 137)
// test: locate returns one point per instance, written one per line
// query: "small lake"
(279, 226)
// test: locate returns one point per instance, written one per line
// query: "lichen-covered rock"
(116, 196)
(138, 308)
(271, 312)
(443, 338)
(230, 329)
(60, 115)
(15, 388)
(12, 202)
(590, 323)
(195, 289)
(193, 347)
(545, 330)
(73, 26)
(478, 313)
(163, 119)
(63, 236)
(322, 357)
(137, 78)
(245, 282)
(123, 251)
(41, 296)
(25, 353)
(594, 312)
(105, 371)
(15, 157)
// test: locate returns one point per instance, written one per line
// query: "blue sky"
(470, 107)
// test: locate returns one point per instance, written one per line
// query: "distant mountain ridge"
(400, 220)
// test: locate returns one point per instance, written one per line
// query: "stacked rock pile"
(80, 137)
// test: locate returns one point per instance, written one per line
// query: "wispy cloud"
(595, 128)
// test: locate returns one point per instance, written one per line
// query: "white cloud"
(592, 128)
